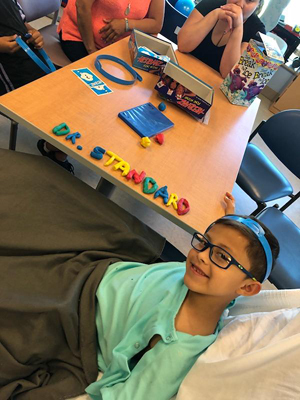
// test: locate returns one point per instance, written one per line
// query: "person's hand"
(222, 16)
(230, 203)
(8, 44)
(92, 49)
(235, 12)
(36, 39)
(113, 29)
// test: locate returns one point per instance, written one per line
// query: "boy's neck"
(207, 302)
(199, 314)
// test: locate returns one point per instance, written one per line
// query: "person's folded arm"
(234, 46)
(232, 52)
(84, 21)
(154, 19)
(195, 29)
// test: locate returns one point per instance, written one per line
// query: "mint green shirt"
(136, 302)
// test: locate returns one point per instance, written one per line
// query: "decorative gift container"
(256, 67)
(185, 90)
(149, 53)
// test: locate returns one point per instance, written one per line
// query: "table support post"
(13, 135)
(105, 187)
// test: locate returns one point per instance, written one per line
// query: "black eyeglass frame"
(211, 246)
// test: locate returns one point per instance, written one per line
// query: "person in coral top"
(89, 25)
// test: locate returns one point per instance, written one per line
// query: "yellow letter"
(113, 157)
(172, 200)
(123, 166)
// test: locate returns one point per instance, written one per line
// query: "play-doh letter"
(149, 184)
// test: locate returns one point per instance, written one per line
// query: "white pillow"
(255, 357)
(266, 300)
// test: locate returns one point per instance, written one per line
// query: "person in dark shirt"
(17, 68)
(218, 31)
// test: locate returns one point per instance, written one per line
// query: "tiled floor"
(180, 239)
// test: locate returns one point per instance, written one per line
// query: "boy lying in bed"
(152, 321)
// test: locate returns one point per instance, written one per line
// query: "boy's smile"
(198, 271)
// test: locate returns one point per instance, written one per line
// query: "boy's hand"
(230, 203)
(36, 39)
(8, 44)
(113, 29)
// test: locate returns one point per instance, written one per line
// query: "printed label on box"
(176, 93)
(149, 53)
(186, 90)
(92, 81)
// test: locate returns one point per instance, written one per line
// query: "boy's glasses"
(220, 257)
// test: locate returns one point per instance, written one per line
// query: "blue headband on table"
(113, 78)
(260, 234)
(46, 68)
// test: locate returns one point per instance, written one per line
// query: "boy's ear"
(249, 288)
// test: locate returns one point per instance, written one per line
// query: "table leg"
(105, 187)
(13, 135)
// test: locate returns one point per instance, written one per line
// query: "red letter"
(183, 206)
(138, 178)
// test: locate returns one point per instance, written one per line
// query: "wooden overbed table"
(197, 162)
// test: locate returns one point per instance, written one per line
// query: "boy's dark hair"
(254, 249)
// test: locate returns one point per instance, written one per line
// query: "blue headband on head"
(260, 234)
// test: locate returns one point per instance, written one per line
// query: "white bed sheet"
(256, 356)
